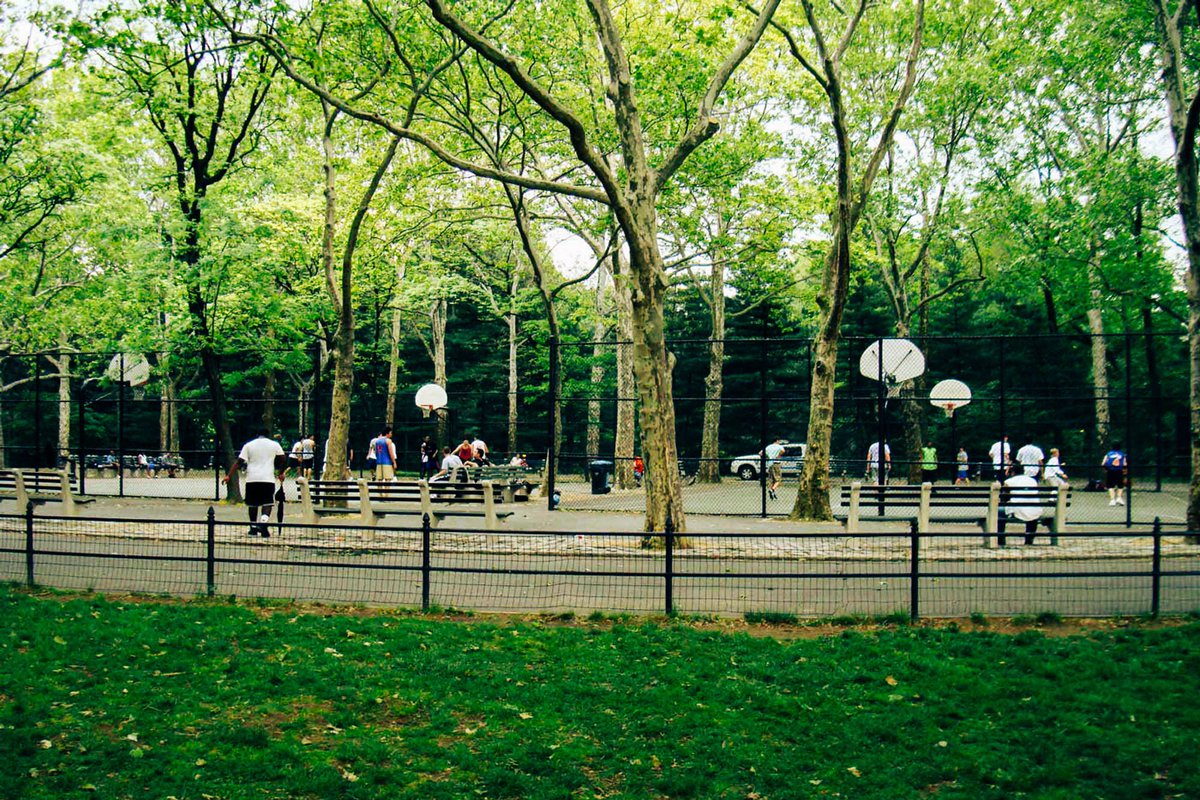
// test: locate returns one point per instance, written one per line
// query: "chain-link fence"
(1079, 394)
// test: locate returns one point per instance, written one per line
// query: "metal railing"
(802, 575)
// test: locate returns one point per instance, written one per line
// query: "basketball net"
(949, 409)
(426, 411)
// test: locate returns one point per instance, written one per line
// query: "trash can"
(600, 471)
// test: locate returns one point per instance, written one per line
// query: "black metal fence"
(1039, 389)
(915, 574)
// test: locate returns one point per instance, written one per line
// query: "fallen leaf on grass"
(525, 715)
(854, 771)
(890, 681)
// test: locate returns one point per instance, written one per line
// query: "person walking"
(774, 469)
(1001, 454)
(879, 462)
(1116, 474)
(385, 456)
(265, 463)
(429, 458)
(1031, 458)
(1053, 472)
(929, 464)
(962, 465)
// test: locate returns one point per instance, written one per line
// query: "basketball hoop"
(429, 397)
(949, 395)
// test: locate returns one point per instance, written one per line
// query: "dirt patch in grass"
(786, 631)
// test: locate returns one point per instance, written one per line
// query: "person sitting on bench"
(451, 463)
(1023, 488)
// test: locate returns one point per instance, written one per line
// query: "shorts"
(260, 494)
(1114, 479)
(385, 472)
(776, 472)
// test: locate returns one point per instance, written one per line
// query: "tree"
(1177, 53)
(812, 499)
(632, 193)
(205, 98)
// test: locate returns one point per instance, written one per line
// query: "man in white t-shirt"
(873, 465)
(265, 463)
(1001, 454)
(1031, 458)
(480, 448)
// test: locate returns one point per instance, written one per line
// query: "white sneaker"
(1120, 501)
(1112, 502)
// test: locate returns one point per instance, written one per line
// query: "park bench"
(979, 504)
(41, 486)
(519, 483)
(378, 499)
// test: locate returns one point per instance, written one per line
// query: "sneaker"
(771, 494)
(253, 531)
(1120, 501)
(1112, 502)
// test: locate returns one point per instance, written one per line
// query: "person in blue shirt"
(1116, 474)
(385, 456)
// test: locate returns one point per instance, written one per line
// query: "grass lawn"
(140, 698)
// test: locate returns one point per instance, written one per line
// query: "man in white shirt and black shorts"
(265, 463)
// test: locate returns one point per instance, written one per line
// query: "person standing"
(429, 458)
(1001, 454)
(479, 450)
(1053, 472)
(879, 462)
(1116, 474)
(774, 469)
(929, 464)
(265, 463)
(308, 455)
(962, 463)
(385, 456)
(1031, 458)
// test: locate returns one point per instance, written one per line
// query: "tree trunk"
(437, 335)
(168, 414)
(652, 366)
(1099, 357)
(64, 406)
(599, 330)
(268, 414)
(393, 383)
(714, 382)
(623, 449)
(511, 320)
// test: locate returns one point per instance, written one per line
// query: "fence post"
(211, 560)
(552, 417)
(1156, 569)
(669, 570)
(82, 452)
(914, 575)
(37, 412)
(425, 569)
(29, 544)
(216, 462)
